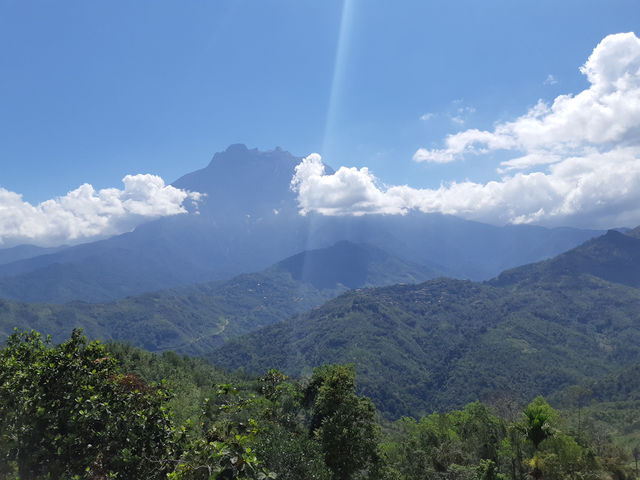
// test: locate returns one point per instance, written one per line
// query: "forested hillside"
(614, 257)
(533, 330)
(80, 410)
(447, 342)
(566, 328)
(197, 318)
(191, 319)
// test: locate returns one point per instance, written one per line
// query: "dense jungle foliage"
(192, 319)
(89, 410)
(444, 343)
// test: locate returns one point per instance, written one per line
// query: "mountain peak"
(241, 157)
(244, 183)
(352, 265)
(237, 148)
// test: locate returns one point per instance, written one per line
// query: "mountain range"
(539, 328)
(533, 330)
(197, 318)
(249, 220)
(433, 310)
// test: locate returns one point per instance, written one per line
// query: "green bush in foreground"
(70, 412)
(67, 411)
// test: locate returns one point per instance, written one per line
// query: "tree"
(343, 422)
(68, 410)
(480, 431)
(226, 448)
(538, 421)
(283, 441)
(488, 470)
(579, 396)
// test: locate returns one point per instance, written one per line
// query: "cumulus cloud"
(603, 116)
(349, 191)
(582, 191)
(85, 214)
(575, 161)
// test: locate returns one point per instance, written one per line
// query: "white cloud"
(575, 162)
(349, 191)
(550, 80)
(604, 115)
(427, 116)
(599, 190)
(86, 214)
(469, 141)
(461, 113)
(433, 156)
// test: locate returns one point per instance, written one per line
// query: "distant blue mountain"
(22, 252)
(352, 265)
(243, 184)
(249, 221)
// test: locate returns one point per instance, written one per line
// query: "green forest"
(88, 410)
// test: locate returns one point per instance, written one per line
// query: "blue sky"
(93, 91)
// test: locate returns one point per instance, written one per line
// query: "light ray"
(339, 69)
(335, 101)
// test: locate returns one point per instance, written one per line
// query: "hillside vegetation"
(198, 318)
(189, 320)
(534, 330)
(80, 410)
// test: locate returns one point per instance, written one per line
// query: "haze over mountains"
(538, 328)
(197, 318)
(249, 220)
